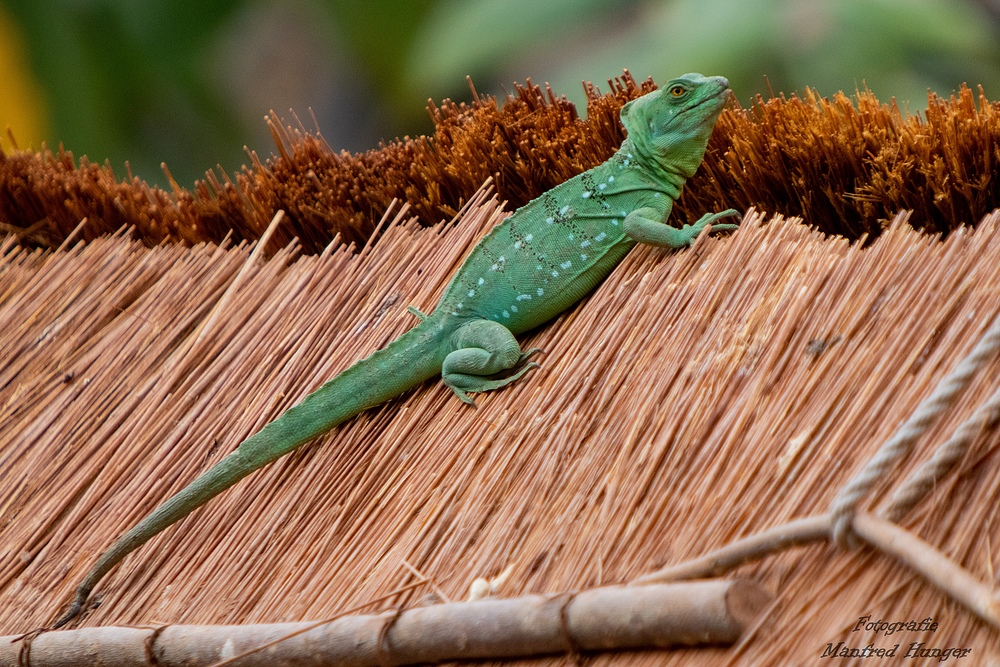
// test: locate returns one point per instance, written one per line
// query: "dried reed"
(694, 398)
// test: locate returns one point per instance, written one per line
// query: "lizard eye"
(678, 91)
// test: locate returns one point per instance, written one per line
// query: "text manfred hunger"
(912, 650)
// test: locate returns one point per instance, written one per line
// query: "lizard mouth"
(722, 96)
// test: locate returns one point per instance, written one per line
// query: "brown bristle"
(846, 166)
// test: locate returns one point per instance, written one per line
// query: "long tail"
(406, 362)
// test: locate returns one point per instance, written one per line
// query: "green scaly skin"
(538, 262)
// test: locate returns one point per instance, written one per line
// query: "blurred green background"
(188, 82)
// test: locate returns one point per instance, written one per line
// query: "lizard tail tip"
(74, 611)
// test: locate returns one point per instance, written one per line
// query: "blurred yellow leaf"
(22, 109)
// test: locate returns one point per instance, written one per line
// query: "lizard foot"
(462, 384)
(709, 219)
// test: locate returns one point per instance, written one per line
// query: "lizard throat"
(669, 176)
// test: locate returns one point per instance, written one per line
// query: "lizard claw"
(724, 228)
(708, 220)
(527, 355)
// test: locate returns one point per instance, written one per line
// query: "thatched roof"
(696, 397)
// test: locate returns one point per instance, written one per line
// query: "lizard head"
(670, 127)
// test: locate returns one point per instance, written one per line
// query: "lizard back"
(551, 252)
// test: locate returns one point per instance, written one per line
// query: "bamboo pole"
(599, 619)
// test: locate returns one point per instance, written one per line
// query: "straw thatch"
(696, 397)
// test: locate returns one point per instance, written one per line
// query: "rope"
(947, 455)
(846, 502)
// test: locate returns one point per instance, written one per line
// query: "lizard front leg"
(483, 349)
(646, 225)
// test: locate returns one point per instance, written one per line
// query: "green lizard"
(538, 262)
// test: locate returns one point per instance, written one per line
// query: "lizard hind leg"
(484, 352)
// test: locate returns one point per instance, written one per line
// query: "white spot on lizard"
(566, 264)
